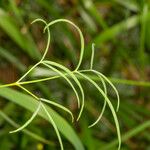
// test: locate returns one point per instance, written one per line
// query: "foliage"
(120, 32)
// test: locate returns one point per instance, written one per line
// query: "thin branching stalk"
(109, 104)
(104, 105)
(66, 78)
(71, 74)
(67, 74)
(59, 106)
(80, 33)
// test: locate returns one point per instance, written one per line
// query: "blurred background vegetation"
(121, 31)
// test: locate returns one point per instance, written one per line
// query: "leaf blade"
(30, 104)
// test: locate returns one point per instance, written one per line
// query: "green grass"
(120, 31)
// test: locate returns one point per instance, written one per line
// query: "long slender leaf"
(70, 73)
(128, 135)
(34, 135)
(23, 40)
(4, 53)
(29, 103)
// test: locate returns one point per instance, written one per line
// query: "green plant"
(64, 72)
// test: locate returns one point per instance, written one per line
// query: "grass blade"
(31, 134)
(24, 41)
(12, 59)
(29, 103)
(112, 32)
(128, 135)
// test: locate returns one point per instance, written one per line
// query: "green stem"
(93, 77)
(8, 85)
(28, 92)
